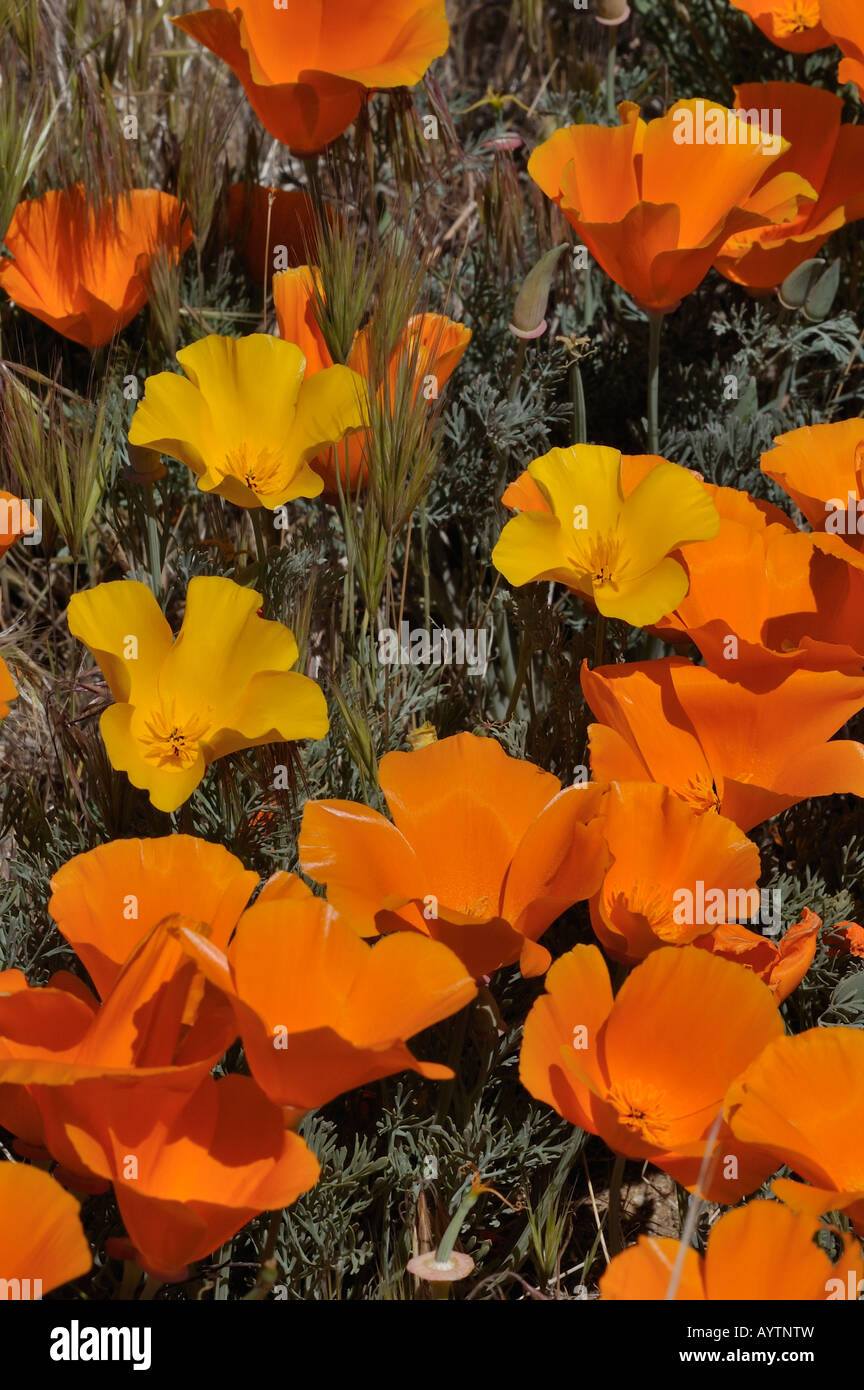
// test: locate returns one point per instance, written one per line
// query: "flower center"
(259, 468)
(172, 742)
(797, 16)
(641, 1109)
(601, 560)
(700, 793)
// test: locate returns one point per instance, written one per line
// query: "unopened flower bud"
(611, 11)
(529, 311)
(817, 305)
(799, 282)
(145, 465)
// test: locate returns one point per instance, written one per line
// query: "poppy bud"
(817, 305)
(145, 465)
(799, 282)
(529, 311)
(612, 11)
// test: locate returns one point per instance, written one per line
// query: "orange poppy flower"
(803, 1101)
(307, 65)
(431, 345)
(683, 872)
(759, 1253)
(717, 743)
(765, 599)
(623, 1068)
(319, 1010)
(188, 1170)
(821, 467)
(8, 689)
(106, 901)
(655, 201)
(486, 851)
(844, 21)
(42, 1244)
(84, 271)
(156, 1026)
(16, 520)
(847, 938)
(821, 150)
(293, 227)
(782, 965)
(795, 25)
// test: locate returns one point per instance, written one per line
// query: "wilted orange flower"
(486, 851)
(16, 520)
(673, 879)
(605, 525)
(844, 21)
(224, 684)
(430, 346)
(782, 965)
(8, 689)
(827, 154)
(792, 24)
(319, 1010)
(648, 1070)
(82, 270)
(802, 1100)
(821, 467)
(717, 743)
(765, 599)
(654, 203)
(759, 1253)
(42, 1244)
(307, 65)
(293, 227)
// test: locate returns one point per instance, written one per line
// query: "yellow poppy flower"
(224, 684)
(580, 527)
(246, 419)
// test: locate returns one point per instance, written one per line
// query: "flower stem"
(599, 641)
(448, 1240)
(577, 397)
(656, 323)
(611, 55)
(260, 540)
(613, 1222)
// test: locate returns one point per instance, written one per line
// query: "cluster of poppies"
(128, 1084)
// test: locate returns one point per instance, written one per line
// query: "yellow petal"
(174, 418)
(168, 787)
(273, 708)
(647, 598)
(221, 646)
(127, 633)
(667, 509)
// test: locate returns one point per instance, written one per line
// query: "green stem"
(448, 1240)
(656, 322)
(517, 369)
(260, 539)
(600, 641)
(613, 1223)
(611, 55)
(580, 414)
